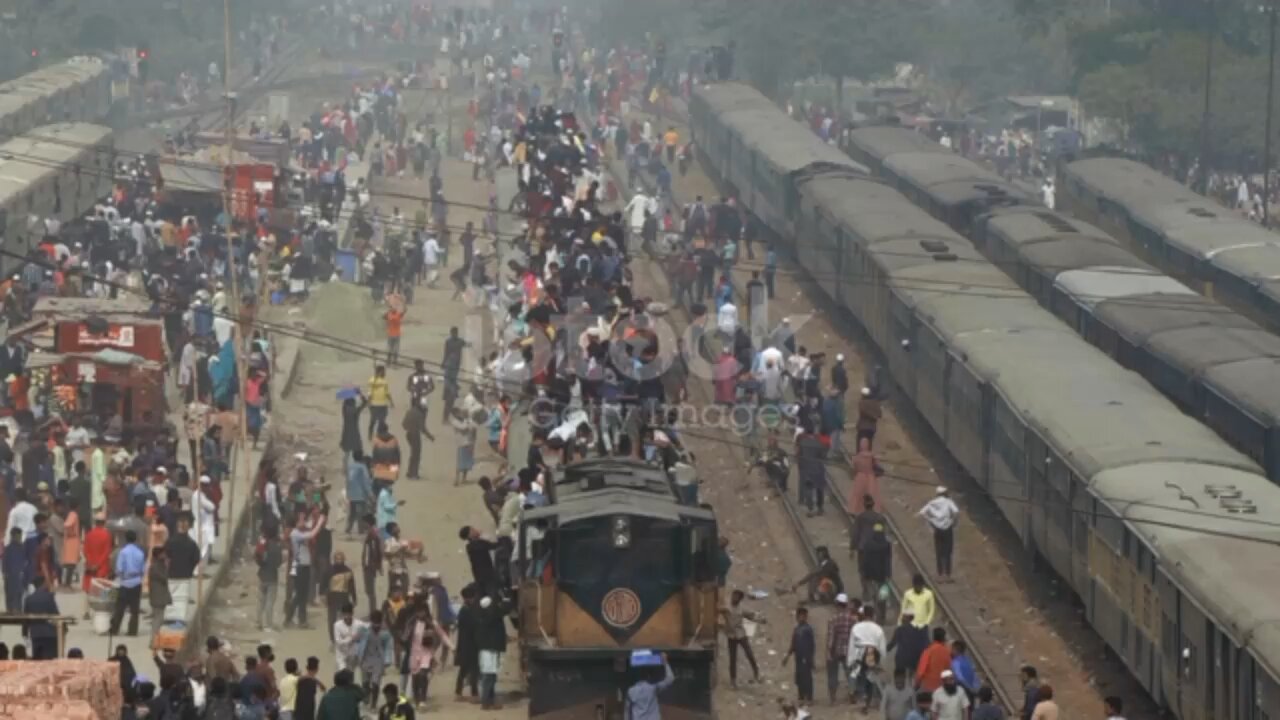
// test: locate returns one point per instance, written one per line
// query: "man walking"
(803, 647)
(371, 560)
(941, 513)
(130, 567)
(838, 629)
(184, 563)
(736, 634)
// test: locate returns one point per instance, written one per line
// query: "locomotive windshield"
(659, 550)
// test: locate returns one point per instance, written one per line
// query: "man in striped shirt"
(838, 629)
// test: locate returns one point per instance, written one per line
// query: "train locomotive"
(1149, 516)
(613, 564)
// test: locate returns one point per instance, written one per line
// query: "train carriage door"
(1222, 673)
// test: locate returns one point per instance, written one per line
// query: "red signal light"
(35, 52)
(143, 54)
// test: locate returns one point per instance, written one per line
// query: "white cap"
(842, 599)
(942, 490)
(486, 601)
(162, 470)
(839, 357)
(947, 674)
(866, 392)
(205, 480)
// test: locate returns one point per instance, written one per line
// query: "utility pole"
(235, 305)
(1211, 29)
(1271, 89)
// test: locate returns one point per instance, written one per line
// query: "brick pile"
(60, 690)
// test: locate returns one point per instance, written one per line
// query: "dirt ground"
(434, 509)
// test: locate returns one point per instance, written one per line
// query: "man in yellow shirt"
(379, 398)
(671, 140)
(289, 688)
(919, 602)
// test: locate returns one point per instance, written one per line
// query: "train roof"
(616, 501)
(1029, 224)
(44, 150)
(1190, 525)
(881, 141)
(766, 129)
(1199, 348)
(1137, 318)
(1251, 384)
(1191, 222)
(957, 315)
(1109, 418)
(950, 178)
(1126, 180)
(1257, 264)
(874, 210)
(614, 486)
(1056, 255)
(732, 96)
(1094, 285)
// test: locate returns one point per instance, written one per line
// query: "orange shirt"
(394, 318)
(936, 658)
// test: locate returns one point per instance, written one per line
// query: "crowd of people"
(579, 358)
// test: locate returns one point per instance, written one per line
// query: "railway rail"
(959, 616)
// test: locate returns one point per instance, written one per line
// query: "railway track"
(832, 530)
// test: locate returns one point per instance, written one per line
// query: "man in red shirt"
(935, 660)
(394, 317)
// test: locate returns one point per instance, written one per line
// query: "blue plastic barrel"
(347, 264)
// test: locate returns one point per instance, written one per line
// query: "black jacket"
(491, 631)
(467, 653)
(40, 602)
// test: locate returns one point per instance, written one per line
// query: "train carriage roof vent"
(1201, 212)
(945, 257)
(1056, 222)
(934, 246)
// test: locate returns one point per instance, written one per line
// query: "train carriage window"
(1188, 660)
(1111, 210)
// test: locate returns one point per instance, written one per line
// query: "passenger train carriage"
(616, 563)
(59, 171)
(1212, 248)
(1151, 518)
(77, 90)
(1217, 365)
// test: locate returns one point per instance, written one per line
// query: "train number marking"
(620, 608)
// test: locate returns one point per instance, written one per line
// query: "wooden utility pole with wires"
(234, 304)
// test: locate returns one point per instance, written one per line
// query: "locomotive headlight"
(622, 532)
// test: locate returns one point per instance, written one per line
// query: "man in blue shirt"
(359, 490)
(963, 668)
(131, 563)
(642, 698)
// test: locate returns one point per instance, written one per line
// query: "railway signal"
(144, 62)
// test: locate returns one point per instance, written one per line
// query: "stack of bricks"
(60, 690)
